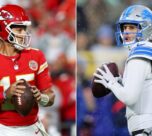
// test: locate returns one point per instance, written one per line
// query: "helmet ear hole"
(10, 37)
(121, 26)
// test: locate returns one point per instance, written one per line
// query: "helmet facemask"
(128, 38)
(19, 41)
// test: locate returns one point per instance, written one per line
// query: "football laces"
(19, 101)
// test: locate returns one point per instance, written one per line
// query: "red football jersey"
(30, 65)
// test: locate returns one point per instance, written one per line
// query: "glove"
(105, 78)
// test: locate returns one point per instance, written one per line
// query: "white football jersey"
(139, 114)
(136, 91)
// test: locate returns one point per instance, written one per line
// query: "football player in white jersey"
(134, 30)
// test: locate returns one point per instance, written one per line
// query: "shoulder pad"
(141, 52)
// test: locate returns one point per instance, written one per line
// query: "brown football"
(25, 102)
(99, 90)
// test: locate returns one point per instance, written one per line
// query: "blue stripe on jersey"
(141, 52)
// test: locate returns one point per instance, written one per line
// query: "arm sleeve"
(137, 70)
(43, 78)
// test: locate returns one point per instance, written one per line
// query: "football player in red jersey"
(19, 61)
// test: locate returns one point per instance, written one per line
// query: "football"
(25, 102)
(99, 90)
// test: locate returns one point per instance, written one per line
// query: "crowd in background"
(96, 44)
(53, 31)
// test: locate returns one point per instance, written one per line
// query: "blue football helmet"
(139, 16)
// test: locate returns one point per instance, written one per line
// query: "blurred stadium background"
(53, 31)
(96, 44)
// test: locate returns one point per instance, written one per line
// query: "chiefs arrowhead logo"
(33, 65)
(5, 15)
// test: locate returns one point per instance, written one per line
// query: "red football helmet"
(14, 15)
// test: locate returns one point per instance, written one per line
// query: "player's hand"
(15, 89)
(105, 78)
(36, 93)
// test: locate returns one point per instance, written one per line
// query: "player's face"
(20, 32)
(129, 32)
